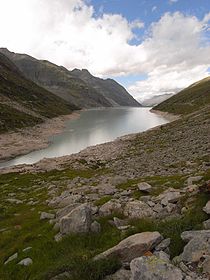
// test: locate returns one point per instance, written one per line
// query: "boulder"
(110, 207)
(144, 187)
(162, 255)
(11, 258)
(163, 244)
(46, 216)
(207, 207)
(26, 262)
(66, 210)
(206, 224)
(95, 227)
(138, 209)
(191, 234)
(196, 249)
(169, 196)
(77, 221)
(132, 247)
(121, 274)
(153, 268)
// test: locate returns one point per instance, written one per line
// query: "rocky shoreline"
(29, 139)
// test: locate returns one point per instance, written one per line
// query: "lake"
(94, 126)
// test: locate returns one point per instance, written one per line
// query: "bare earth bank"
(29, 139)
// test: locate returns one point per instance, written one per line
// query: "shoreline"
(29, 139)
(171, 117)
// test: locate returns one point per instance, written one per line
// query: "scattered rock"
(26, 262)
(163, 244)
(110, 207)
(11, 258)
(207, 207)
(206, 224)
(153, 268)
(46, 216)
(133, 246)
(77, 221)
(144, 187)
(191, 180)
(14, 201)
(95, 227)
(138, 209)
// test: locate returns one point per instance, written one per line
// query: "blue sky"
(151, 47)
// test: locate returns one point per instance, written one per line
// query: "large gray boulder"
(132, 247)
(196, 249)
(191, 234)
(77, 221)
(207, 207)
(138, 209)
(153, 268)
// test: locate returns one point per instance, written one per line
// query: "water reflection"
(94, 126)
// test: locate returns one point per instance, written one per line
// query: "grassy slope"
(188, 100)
(15, 87)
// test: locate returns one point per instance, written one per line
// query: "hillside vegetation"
(188, 100)
(22, 102)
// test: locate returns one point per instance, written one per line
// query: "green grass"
(103, 200)
(188, 100)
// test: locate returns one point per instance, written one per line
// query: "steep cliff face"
(70, 85)
(24, 103)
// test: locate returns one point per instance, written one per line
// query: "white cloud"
(67, 33)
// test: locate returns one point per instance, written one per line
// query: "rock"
(163, 244)
(95, 227)
(137, 210)
(191, 180)
(121, 274)
(27, 249)
(162, 255)
(77, 221)
(153, 268)
(144, 187)
(206, 224)
(188, 235)
(14, 201)
(207, 207)
(26, 262)
(119, 223)
(158, 208)
(106, 189)
(11, 258)
(206, 265)
(66, 210)
(196, 249)
(117, 180)
(45, 216)
(169, 196)
(146, 198)
(132, 247)
(62, 276)
(110, 207)
(58, 237)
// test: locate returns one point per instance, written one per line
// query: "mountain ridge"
(80, 90)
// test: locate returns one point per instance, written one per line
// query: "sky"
(151, 47)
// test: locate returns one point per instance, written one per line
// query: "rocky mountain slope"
(188, 100)
(77, 87)
(24, 103)
(135, 208)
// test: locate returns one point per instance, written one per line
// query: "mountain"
(188, 100)
(24, 103)
(77, 87)
(109, 88)
(155, 100)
